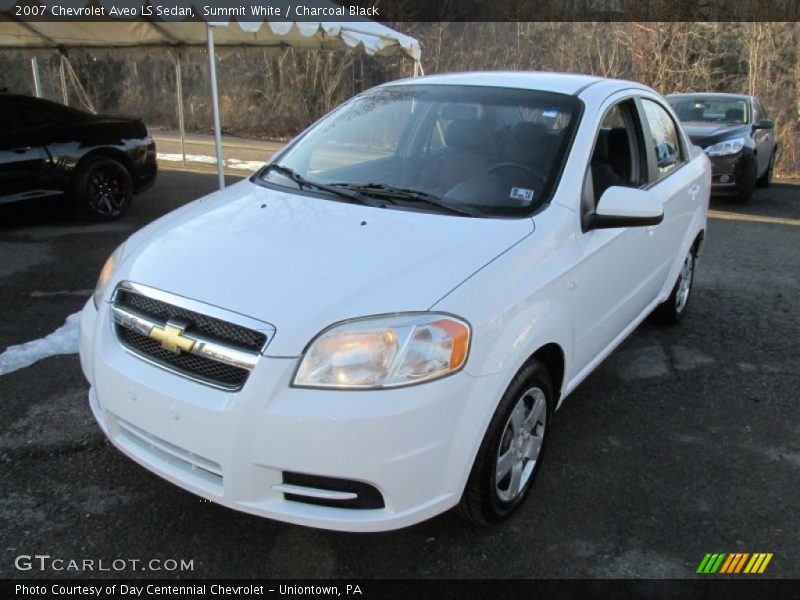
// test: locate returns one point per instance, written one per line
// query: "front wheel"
(747, 182)
(103, 189)
(766, 176)
(671, 311)
(512, 449)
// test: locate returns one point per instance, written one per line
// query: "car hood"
(302, 263)
(705, 134)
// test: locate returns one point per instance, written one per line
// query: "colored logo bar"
(734, 563)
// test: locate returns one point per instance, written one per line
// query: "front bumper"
(730, 174)
(415, 445)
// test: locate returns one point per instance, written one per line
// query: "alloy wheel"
(520, 444)
(684, 283)
(108, 190)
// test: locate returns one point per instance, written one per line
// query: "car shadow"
(172, 189)
(779, 200)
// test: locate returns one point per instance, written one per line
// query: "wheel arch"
(105, 152)
(551, 355)
(699, 243)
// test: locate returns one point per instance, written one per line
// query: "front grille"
(223, 354)
(198, 367)
(223, 331)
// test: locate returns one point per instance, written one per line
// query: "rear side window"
(9, 118)
(664, 139)
(32, 119)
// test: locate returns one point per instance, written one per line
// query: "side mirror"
(765, 124)
(626, 207)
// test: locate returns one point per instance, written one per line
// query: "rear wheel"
(671, 311)
(766, 177)
(511, 452)
(103, 189)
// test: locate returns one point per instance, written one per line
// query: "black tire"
(747, 183)
(766, 176)
(103, 189)
(673, 309)
(481, 501)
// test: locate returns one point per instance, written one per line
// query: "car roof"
(712, 94)
(563, 83)
(44, 103)
(25, 98)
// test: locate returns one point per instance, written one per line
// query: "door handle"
(694, 190)
(21, 150)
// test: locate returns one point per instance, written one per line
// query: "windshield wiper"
(381, 190)
(302, 182)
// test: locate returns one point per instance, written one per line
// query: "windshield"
(711, 109)
(482, 151)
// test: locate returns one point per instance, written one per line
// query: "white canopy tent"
(370, 37)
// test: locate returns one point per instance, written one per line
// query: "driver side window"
(616, 157)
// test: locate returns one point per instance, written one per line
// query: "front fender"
(515, 304)
(510, 339)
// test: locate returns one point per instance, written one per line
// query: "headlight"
(381, 352)
(105, 275)
(727, 147)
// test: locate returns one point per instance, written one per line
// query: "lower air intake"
(363, 495)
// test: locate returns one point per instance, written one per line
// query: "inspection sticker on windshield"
(521, 194)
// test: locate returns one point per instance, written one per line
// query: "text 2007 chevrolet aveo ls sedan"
(379, 324)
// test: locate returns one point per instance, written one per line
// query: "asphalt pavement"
(685, 441)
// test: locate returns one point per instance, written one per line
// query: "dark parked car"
(97, 163)
(737, 135)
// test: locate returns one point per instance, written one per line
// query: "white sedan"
(379, 324)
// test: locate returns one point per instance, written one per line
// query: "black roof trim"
(580, 90)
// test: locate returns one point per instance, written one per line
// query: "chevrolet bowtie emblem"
(172, 338)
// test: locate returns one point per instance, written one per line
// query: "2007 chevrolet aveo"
(379, 324)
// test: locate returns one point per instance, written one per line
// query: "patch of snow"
(244, 165)
(63, 340)
(189, 157)
(231, 163)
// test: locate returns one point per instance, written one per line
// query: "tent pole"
(37, 83)
(212, 70)
(179, 86)
(63, 75)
